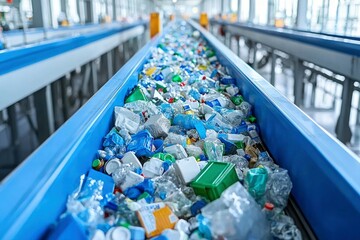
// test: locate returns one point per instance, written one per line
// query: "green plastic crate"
(214, 179)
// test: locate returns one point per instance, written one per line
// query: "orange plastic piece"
(233, 17)
(164, 219)
(155, 24)
(204, 21)
(172, 17)
(279, 23)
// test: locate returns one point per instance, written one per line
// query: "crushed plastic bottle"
(178, 153)
(234, 215)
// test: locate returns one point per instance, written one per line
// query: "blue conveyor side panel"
(13, 59)
(325, 174)
(34, 195)
(343, 45)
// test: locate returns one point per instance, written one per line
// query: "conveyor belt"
(324, 172)
(15, 38)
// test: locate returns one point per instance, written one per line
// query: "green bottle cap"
(237, 100)
(176, 78)
(169, 157)
(252, 119)
(159, 156)
(96, 163)
(143, 195)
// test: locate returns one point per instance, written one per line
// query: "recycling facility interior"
(308, 50)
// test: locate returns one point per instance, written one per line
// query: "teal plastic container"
(214, 179)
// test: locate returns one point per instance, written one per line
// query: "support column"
(298, 82)
(239, 11)
(14, 132)
(342, 129)
(94, 76)
(254, 66)
(271, 12)
(56, 98)
(63, 6)
(115, 10)
(238, 45)
(44, 113)
(81, 11)
(41, 13)
(86, 82)
(251, 11)
(273, 65)
(110, 66)
(301, 21)
(94, 14)
(64, 97)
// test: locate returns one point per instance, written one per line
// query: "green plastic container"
(214, 179)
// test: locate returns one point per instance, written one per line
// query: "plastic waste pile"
(184, 159)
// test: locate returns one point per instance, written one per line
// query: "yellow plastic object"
(204, 21)
(202, 67)
(150, 71)
(155, 24)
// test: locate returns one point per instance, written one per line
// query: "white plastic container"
(153, 168)
(130, 158)
(126, 119)
(232, 90)
(187, 169)
(131, 179)
(158, 125)
(177, 150)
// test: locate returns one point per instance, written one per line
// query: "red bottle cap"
(269, 206)
(117, 190)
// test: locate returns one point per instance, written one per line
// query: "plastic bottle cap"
(96, 163)
(269, 206)
(121, 233)
(169, 157)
